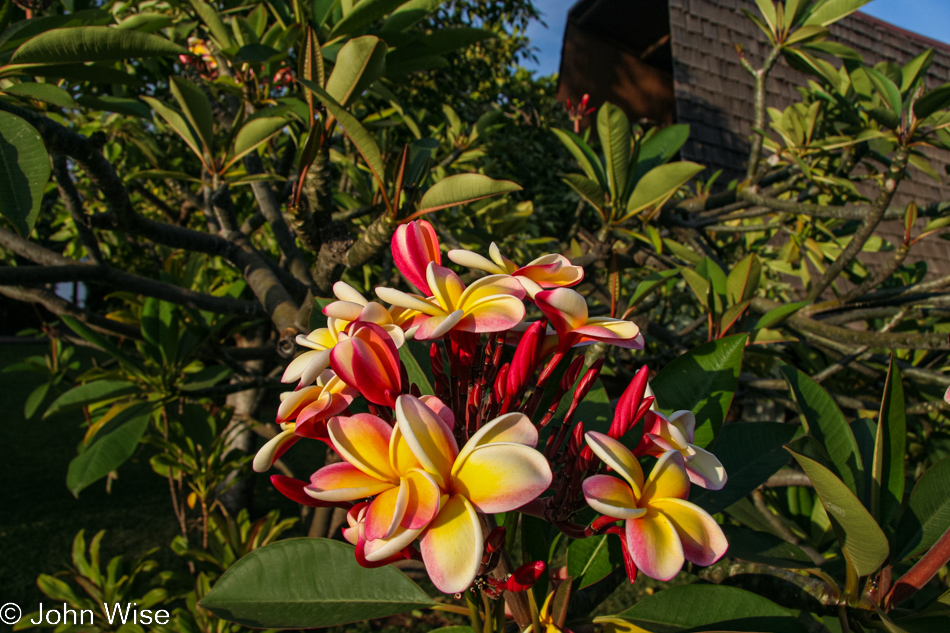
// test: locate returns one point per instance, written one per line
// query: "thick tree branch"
(59, 306)
(73, 204)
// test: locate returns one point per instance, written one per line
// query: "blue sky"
(927, 17)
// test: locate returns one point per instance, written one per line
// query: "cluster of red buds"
(577, 112)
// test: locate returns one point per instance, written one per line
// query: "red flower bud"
(525, 576)
(495, 540)
(629, 403)
(526, 358)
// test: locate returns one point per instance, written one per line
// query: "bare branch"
(58, 305)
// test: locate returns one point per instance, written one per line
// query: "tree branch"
(59, 306)
(73, 203)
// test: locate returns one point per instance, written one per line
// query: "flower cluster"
(201, 58)
(421, 474)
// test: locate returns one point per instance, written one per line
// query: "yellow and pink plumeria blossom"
(352, 307)
(367, 360)
(567, 312)
(426, 488)
(662, 530)
(547, 271)
(676, 433)
(310, 407)
(490, 304)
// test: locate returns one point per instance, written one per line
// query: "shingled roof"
(682, 51)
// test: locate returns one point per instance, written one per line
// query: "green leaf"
(93, 44)
(862, 541)
(888, 464)
(90, 393)
(767, 9)
(702, 381)
(583, 154)
(709, 608)
(743, 279)
(364, 14)
(20, 32)
(613, 128)
(659, 148)
(255, 53)
(47, 93)
(309, 583)
(779, 314)
(209, 15)
(591, 559)
(110, 448)
(650, 283)
(35, 399)
(462, 189)
(196, 108)
(130, 365)
(829, 11)
(807, 33)
(255, 133)
(408, 15)
(587, 189)
(936, 99)
(750, 453)
(178, 123)
(146, 22)
(764, 548)
(358, 65)
(417, 375)
(121, 105)
(886, 88)
(91, 73)
(927, 515)
(207, 377)
(363, 141)
(24, 171)
(915, 69)
(698, 285)
(824, 421)
(659, 184)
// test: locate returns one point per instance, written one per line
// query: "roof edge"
(890, 26)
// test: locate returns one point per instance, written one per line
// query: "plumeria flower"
(567, 312)
(311, 407)
(426, 488)
(547, 271)
(414, 245)
(352, 307)
(676, 433)
(661, 529)
(490, 304)
(367, 360)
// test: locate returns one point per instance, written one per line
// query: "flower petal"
(386, 512)
(307, 367)
(427, 436)
(424, 499)
(502, 476)
(452, 546)
(474, 260)
(618, 457)
(412, 302)
(495, 313)
(273, 449)
(611, 497)
(654, 545)
(702, 538)
(343, 310)
(345, 292)
(344, 482)
(512, 427)
(667, 480)
(363, 440)
(489, 286)
(441, 410)
(384, 548)
(437, 326)
(445, 285)
(414, 245)
(685, 423)
(705, 469)
(564, 308)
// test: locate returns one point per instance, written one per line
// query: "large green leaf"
(364, 14)
(750, 453)
(112, 446)
(710, 608)
(417, 375)
(584, 155)
(89, 393)
(613, 128)
(178, 123)
(660, 148)
(824, 421)
(23, 30)
(309, 583)
(927, 515)
(587, 189)
(650, 283)
(255, 133)
(743, 280)
(936, 99)
(209, 15)
(702, 381)
(47, 93)
(887, 89)
(779, 314)
(887, 470)
(659, 184)
(591, 559)
(765, 548)
(862, 541)
(358, 65)
(92, 44)
(824, 13)
(462, 189)
(195, 106)
(24, 171)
